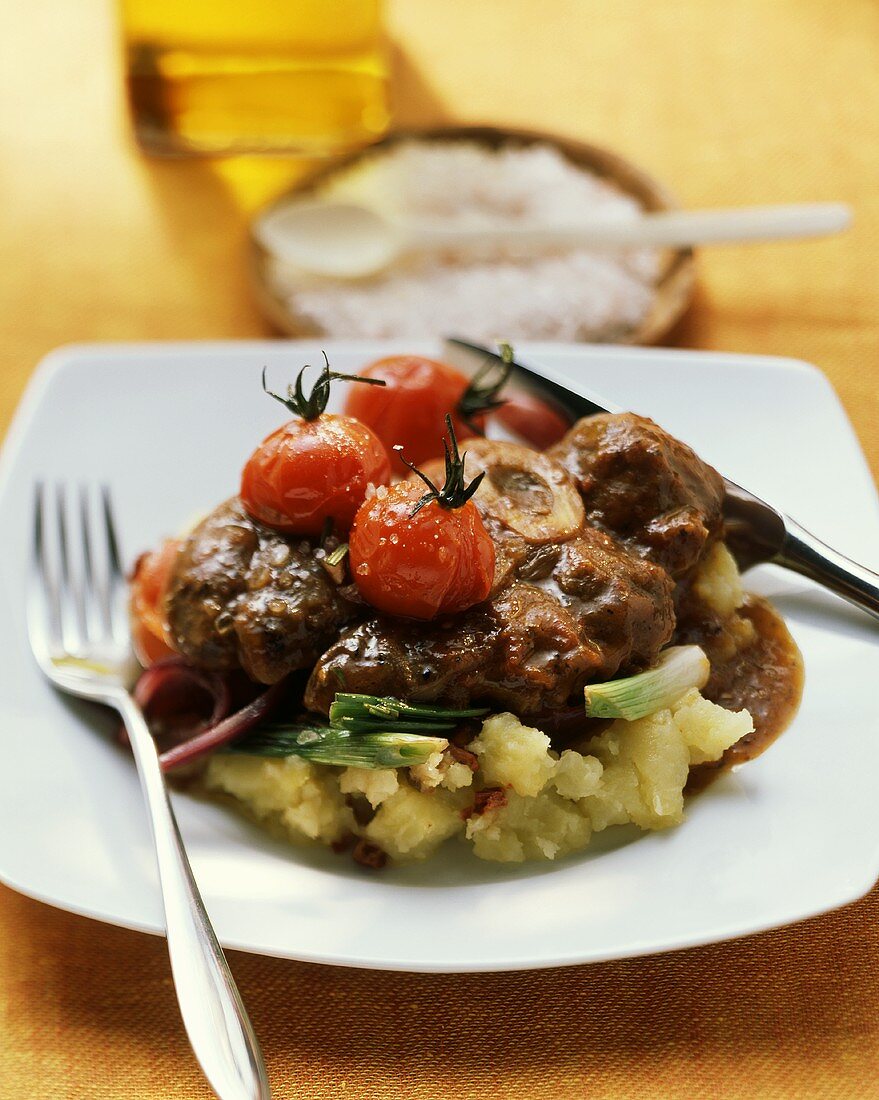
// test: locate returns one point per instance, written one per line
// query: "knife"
(756, 532)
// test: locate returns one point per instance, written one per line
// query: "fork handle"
(802, 552)
(216, 1021)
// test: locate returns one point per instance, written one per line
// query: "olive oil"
(218, 77)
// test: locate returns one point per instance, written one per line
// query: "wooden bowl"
(674, 285)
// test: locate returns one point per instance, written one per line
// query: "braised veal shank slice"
(243, 595)
(587, 609)
(645, 487)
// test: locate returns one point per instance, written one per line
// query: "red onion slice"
(221, 733)
(165, 688)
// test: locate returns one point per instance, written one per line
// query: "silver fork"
(79, 632)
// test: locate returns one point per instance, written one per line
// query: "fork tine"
(87, 568)
(61, 521)
(45, 622)
(116, 576)
(110, 530)
(38, 545)
(70, 597)
(93, 601)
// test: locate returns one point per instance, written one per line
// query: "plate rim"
(500, 966)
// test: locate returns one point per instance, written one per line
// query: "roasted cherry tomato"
(421, 554)
(314, 470)
(149, 584)
(533, 420)
(409, 410)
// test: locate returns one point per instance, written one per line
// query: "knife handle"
(802, 552)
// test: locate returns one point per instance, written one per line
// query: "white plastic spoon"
(346, 240)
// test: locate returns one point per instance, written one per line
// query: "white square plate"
(792, 834)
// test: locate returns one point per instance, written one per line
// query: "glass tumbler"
(222, 77)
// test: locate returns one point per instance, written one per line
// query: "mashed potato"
(718, 583)
(519, 800)
(524, 801)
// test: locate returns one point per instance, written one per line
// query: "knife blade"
(756, 531)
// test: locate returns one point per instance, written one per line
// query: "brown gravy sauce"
(765, 678)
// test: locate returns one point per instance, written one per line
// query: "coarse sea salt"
(576, 294)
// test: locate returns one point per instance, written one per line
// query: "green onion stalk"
(365, 731)
(679, 669)
(365, 713)
(325, 745)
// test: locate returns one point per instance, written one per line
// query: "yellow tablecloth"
(740, 102)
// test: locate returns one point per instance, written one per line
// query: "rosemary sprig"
(338, 555)
(334, 563)
(483, 393)
(455, 491)
(311, 406)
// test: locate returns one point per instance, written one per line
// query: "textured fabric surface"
(741, 102)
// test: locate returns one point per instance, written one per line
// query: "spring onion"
(340, 747)
(369, 713)
(680, 668)
(365, 731)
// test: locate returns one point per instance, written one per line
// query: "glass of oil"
(226, 77)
